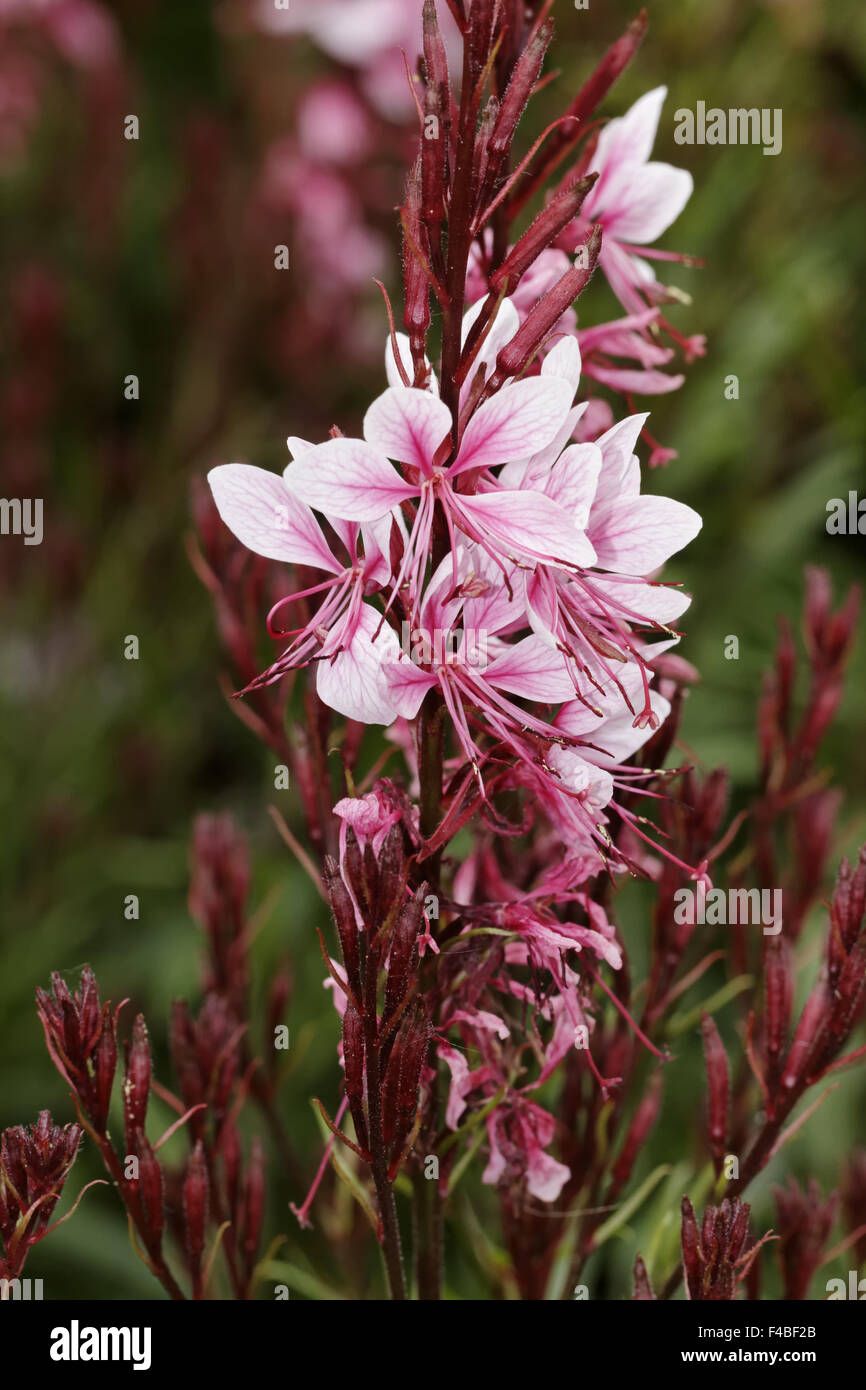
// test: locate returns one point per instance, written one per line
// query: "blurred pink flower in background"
(82, 33)
(370, 35)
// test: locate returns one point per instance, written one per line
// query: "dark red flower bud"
(690, 1240)
(517, 94)
(34, 1166)
(400, 1090)
(104, 1067)
(196, 1197)
(846, 914)
(804, 1223)
(150, 1185)
(537, 237)
(253, 1204)
(806, 1032)
(828, 634)
(354, 868)
(716, 1062)
(87, 1001)
(541, 319)
(617, 57)
(344, 920)
(642, 1287)
(638, 1131)
(416, 283)
(717, 1259)
(80, 1037)
(844, 1011)
(435, 56)
(591, 93)
(433, 156)
(392, 875)
(136, 1084)
(778, 996)
(353, 1056)
(403, 953)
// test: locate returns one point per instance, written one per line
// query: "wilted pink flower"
(519, 1133)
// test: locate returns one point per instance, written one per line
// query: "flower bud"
(136, 1084)
(353, 1058)
(717, 1089)
(541, 319)
(195, 1209)
(344, 919)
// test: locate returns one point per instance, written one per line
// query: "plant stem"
(391, 1245)
(157, 1263)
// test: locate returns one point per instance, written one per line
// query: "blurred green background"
(104, 762)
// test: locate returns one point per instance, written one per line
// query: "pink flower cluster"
(481, 562)
(552, 552)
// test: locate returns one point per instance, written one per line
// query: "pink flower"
(518, 1136)
(354, 479)
(345, 634)
(339, 250)
(369, 35)
(635, 200)
(370, 816)
(626, 337)
(352, 31)
(333, 125)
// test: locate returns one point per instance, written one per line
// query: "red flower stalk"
(34, 1166)
(81, 1036)
(717, 1258)
(82, 1042)
(385, 1045)
(804, 1223)
(219, 884)
(206, 1057)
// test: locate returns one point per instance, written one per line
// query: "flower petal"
(259, 509)
(517, 422)
(352, 683)
(647, 200)
(529, 525)
(347, 478)
(626, 140)
(638, 536)
(573, 481)
(408, 426)
(407, 685)
(533, 669)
